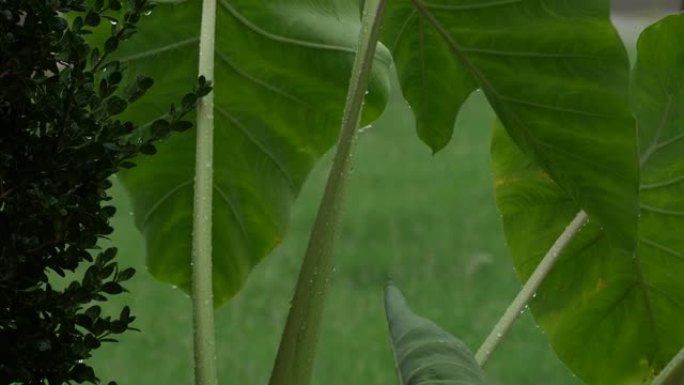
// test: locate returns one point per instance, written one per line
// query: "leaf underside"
(612, 316)
(555, 72)
(281, 72)
(424, 353)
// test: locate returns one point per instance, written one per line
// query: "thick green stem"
(528, 291)
(202, 295)
(294, 363)
(673, 374)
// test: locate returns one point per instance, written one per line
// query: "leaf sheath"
(294, 361)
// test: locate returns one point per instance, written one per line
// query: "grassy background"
(427, 222)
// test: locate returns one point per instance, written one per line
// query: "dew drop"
(148, 13)
(364, 128)
(113, 22)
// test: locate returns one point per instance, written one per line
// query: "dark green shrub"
(60, 141)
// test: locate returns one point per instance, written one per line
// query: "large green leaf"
(555, 72)
(614, 317)
(424, 353)
(282, 69)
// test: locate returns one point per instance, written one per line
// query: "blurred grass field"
(427, 222)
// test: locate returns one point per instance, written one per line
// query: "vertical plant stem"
(525, 295)
(294, 362)
(202, 295)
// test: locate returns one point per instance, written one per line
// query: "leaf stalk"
(202, 294)
(529, 289)
(294, 362)
(673, 373)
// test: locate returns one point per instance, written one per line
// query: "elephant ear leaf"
(556, 74)
(281, 72)
(424, 353)
(599, 299)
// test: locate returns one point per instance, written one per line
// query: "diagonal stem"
(673, 374)
(525, 295)
(294, 363)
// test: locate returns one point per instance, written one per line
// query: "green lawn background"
(427, 222)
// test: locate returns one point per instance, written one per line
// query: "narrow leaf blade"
(424, 353)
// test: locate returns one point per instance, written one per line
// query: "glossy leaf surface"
(555, 72)
(612, 316)
(282, 69)
(424, 353)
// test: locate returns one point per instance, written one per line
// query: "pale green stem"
(202, 295)
(528, 291)
(673, 374)
(294, 363)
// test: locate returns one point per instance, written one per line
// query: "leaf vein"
(670, 141)
(653, 146)
(403, 29)
(229, 201)
(163, 199)
(469, 7)
(661, 247)
(660, 210)
(669, 296)
(162, 49)
(260, 146)
(551, 107)
(224, 58)
(494, 52)
(666, 183)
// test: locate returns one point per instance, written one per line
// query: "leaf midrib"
(470, 7)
